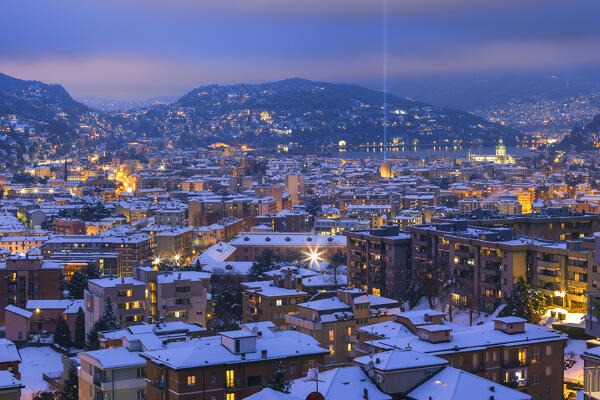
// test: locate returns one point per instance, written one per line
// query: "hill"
(321, 113)
(582, 138)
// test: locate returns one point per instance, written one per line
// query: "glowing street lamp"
(156, 261)
(314, 257)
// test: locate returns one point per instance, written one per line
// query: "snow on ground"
(573, 319)
(37, 361)
(574, 349)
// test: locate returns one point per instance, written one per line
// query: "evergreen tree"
(262, 264)
(526, 302)
(43, 396)
(279, 380)
(77, 285)
(93, 343)
(226, 302)
(314, 206)
(80, 329)
(62, 334)
(70, 387)
(112, 323)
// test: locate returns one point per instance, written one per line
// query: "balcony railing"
(157, 384)
(517, 383)
(515, 363)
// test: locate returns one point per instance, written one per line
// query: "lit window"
(278, 302)
(331, 350)
(191, 380)
(349, 347)
(229, 378)
(331, 335)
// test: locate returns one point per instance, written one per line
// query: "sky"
(135, 49)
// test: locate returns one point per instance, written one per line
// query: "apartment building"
(28, 277)
(174, 242)
(65, 226)
(379, 261)
(150, 296)
(263, 301)
(117, 373)
(134, 248)
(509, 351)
(557, 223)
(230, 366)
(332, 321)
(288, 245)
(483, 264)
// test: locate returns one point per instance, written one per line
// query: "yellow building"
(499, 158)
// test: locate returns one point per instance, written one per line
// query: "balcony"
(517, 383)
(157, 384)
(302, 323)
(509, 364)
(234, 385)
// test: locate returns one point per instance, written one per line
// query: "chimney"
(263, 353)
(122, 279)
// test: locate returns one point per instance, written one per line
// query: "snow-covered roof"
(112, 282)
(8, 351)
(287, 239)
(270, 394)
(400, 359)
(18, 311)
(455, 384)
(347, 383)
(8, 380)
(217, 252)
(118, 357)
(209, 351)
(54, 304)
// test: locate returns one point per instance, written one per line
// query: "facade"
(509, 351)
(288, 245)
(150, 296)
(263, 301)
(379, 261)
(483, 264)
(230, 366)
(333, 321)
(24, 278)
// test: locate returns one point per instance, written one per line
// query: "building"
(40, 316)
(117, 373)
(134, 248)
(379, 261)
(294, 185)
(28, 277)
(10, 359)
(508, 350)
(332, 321)
(65, 226)
(288, 246)
(150, 296)
(263, 301)
(174, 243)
(10, 386)
(230, 366)
(483, 264)
(499, 158)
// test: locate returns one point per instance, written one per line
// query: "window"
(255, 380)
(522, 356)
(349, 331)
(292, 367)
(213, 397)
(230, 396)
(141, 372)
(548, 391)
(331, 335)
(349, 347)
(229, 378)
(548, 370)
(278, 302)
(475, 360)
(548, 349)
(535, 355)
(331, 350)
(536, 379)
(141, 395)
(191, 380)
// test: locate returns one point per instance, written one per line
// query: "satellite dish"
(371, 373)
(371, 364)
(379, 378)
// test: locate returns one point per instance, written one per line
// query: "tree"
(314, 206)
(335, 262)
(279, 380)
(43, 396)
(112, 323)
(526, 302)
(62, 334)
(93, 343)
(70, 387)
(263, 263)
(226, 302)
(79, 281)
(431, 279)
(80, 329)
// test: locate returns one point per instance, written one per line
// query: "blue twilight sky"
(132, 49)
